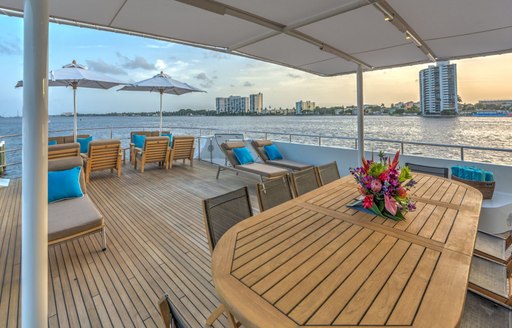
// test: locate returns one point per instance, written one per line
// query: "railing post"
(266, 135)
(111, 133)
(355, 145)
(462, 153)
(319, 140)
(402, 147)
(290, 138)
(210, 149)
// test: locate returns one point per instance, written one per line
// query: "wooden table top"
(313, 261)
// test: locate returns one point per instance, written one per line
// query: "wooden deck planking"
(156, 243)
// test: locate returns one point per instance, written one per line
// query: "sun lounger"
(76, 217)
(259, 146)
(63, 150)
(260, 169)
(182, 148)
(156, 150)
(67, 139)
(103, 155)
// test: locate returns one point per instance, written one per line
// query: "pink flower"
(368, 201)
(376, 185)
(390, 204)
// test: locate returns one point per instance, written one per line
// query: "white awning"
(328, 37)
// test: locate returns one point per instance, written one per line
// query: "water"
(495, 132)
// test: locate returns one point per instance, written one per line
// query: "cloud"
(294, 76)
(135, 63)
(103, 67)
(207, 82)
(215, 55)
(160, 64)
(248, 84)
(160, 45)
(10, 48)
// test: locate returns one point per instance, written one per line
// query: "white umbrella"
(161, 83)
(75, 75)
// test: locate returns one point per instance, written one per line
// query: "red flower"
(402, 192)
(384, 176)
(368, 201)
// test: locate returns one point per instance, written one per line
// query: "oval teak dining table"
(314, 262)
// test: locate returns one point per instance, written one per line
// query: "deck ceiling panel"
(291, 32)
(360, 30)
(407, 53)
(467, 45)
(187, 23)
(286, 49)
(287, 12)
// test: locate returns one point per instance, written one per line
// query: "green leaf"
(405, 174)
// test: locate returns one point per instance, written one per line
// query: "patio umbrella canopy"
(161, 83)
(75, 75)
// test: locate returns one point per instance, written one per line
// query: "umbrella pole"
(360, 115)
(75, 118)
(161, 118)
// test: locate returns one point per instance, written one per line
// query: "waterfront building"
(497, 103)
(302, 106)
(221, 105)
(438, 89)
(256, 103)
(232, 104)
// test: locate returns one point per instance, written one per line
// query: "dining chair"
(220, 213)
(304, 181)
(273, 193)
(479, 312)
(327, 173)
(170, 315)
(432, 170)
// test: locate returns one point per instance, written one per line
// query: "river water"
(495, 132)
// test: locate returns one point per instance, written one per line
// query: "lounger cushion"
(243, 155)
(170, 137)
(138, 140)
(289, 164)
(64, 184)
(52, 142)
(84, 144)
(71, 217)
(273, 152)
(265, 170)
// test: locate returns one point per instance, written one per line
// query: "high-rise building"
(256, 103)
(302, 106)
(221, 105)
(438, 89)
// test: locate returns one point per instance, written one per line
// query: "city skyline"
(133, 58)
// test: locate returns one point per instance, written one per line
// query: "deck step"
(494, 247)
(479, 312)
(490, 279)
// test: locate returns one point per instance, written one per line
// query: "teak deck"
(313, 261)
(156, 243)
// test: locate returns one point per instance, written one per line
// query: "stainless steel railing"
(201, 132)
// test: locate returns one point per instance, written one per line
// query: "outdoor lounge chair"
(273, 193)
(259, 146)
(220, 213)
(63, 150)
(327, 173)
(103, 155)
(67, 139)
(432, 170)
(156, 150)
(182, 148)
(304, 181)
(170, 315)
(133, 149)
(260, 169)
(76, 217)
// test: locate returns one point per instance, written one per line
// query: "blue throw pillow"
(138, 140)
(64, 184)
(170, 137)
(243, 155)
(273, 152)
(84, 144)
(51, 143)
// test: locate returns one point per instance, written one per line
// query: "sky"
(130, 58)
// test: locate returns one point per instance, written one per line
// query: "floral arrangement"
(384, 186)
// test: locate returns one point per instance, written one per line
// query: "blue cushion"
(273, 152)
(170, 137)
(84, 144)
(64, 184)
(138, 140)
(243, 155)
(51, 143)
